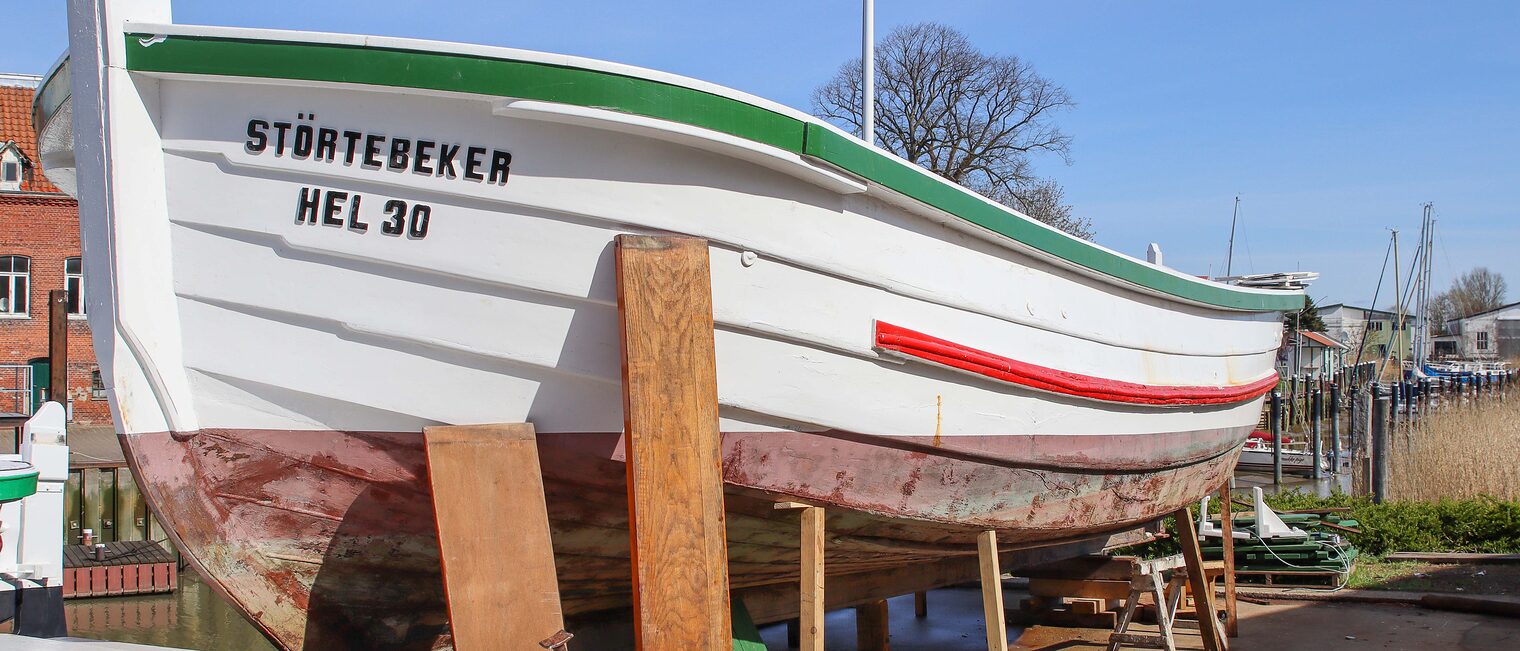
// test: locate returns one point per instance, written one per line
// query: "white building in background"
(1493, 335)
(1373, 331)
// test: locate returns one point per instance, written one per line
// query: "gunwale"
(502, 72)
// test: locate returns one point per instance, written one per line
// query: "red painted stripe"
(948, 353)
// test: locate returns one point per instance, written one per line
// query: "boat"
(304, 248)
(1257, 453)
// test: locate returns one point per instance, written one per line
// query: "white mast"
(868, 72)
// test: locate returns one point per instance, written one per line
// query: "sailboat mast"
(1430, 250)
(1229, 257)
(1398, 307)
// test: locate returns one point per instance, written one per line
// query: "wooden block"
(1078, 588)
(114, 580)
(129, 578)
(992, 591)
(1064, 618)
(69, 581)
(670, 422)
(502, 590)
(871, 627)
(1085, 606)
(1091, 567)
(920, 604)
(98, 582)
(161, 573)
(1138, 639)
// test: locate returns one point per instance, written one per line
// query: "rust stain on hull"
(326, 539)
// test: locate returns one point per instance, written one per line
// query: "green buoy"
(18, 479)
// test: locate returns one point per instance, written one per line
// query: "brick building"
(39, 252)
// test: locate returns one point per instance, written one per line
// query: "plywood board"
(493, 536)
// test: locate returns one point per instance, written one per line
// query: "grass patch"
(1380, 574)
(1411, 576)
(1480, 524)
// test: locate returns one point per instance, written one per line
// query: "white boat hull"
(275, 324)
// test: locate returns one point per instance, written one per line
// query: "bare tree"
(1478, 290)
(1440, 311)
(1044, 200)
(971, 117)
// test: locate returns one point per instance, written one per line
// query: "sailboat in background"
(1280, 280)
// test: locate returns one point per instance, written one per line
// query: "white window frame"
(14, 280)
(11, 163)
(71, 277)
(97, 385)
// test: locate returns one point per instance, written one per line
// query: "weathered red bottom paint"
(326, 539)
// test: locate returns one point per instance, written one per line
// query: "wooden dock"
(130, 567)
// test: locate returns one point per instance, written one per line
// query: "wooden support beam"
(1227, 527)
(872, 631)
(502, 589)
(58, 347)
(1202, 588)
(920, 604)
(670, 421)
(811, 605)
(992, 591)
(778, 602)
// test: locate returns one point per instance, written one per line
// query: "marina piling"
(1335, 428)
(1316, 413)
(1274, 419)
(58, 347)
(1381, 406)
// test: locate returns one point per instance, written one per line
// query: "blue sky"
(1332, 121)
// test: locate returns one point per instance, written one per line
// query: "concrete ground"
(955, 624)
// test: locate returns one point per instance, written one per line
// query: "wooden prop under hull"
(327, 540)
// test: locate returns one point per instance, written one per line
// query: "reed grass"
(1457, 452)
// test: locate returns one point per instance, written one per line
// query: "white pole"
(868, 72)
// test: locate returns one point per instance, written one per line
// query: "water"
(192, 617)
(1323, 487)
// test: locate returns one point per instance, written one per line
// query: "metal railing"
(16, 388)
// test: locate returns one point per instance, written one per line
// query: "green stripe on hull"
(480, 75)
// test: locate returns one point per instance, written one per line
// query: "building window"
(1482, 340)
(97, 386)
(10, 175)
(73, 281)
(15, 281)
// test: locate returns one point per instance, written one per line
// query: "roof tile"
(16, 124)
